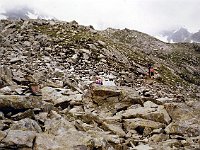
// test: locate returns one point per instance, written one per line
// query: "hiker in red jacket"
(151, 70)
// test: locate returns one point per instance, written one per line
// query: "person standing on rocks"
(150, 70)
(99, 81)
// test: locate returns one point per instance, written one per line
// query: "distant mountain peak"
(24, 12)
(179, 35)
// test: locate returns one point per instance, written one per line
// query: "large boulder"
(150, 111)
(19, 102)
(104, 139)
(57, 126)
(18, 139)
(187, 128)
(114, 128)
(112, 96)
(138, 123)
(48, 143)
(5, 76)
(81, 126)
(50, 94)
(69, 140)
(185, 119)
(105, 92)
(13, 90)
(168, 144)
(61, 97)
(76, 140)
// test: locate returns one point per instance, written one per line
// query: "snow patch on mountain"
(162, 38)
(24, 12)
(178, 35)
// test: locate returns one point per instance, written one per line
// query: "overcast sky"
(148, 16)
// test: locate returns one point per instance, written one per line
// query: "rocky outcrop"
(98, 124)
(154, 113)
(19, 102)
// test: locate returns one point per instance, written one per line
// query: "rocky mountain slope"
(47, 70)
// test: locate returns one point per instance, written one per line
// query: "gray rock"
(19, 91)
(159, 138)
(5, 124)
(102, 43)
(6, 90)
(76, 110)
(103, 94)
(18, 139)
(186, 128)
(46, 141)
(171, 143)
(150, 112)
(13, 90)
(1, 115)
(49, 93)
(132, 124)
(76, 139)
(26, 125)
(27, 43)
(115, 129)
(101, 139)
(19, 102)
(69, 140)
(185, 119)
(5, 76)
(81, 126)
(143, 147)
(14, 60)
(2, 135)
(27, 114)
(42, 116)
(57, 126)
(163, 100)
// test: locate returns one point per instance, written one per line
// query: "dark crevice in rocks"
(123, 127)
(63, 105)
(120, 109)
(34, 143)
(9, 111)
(41, 124)
(139, 130)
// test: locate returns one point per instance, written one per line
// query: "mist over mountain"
(196, 36)
(24, 12)
(179, 35)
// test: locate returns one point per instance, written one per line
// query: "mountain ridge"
(179, 35)
(172, 36)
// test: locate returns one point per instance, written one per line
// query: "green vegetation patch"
(170, 78)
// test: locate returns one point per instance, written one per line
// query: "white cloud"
(147, 16)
